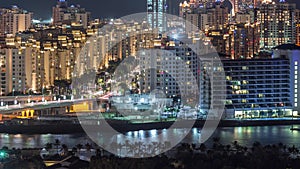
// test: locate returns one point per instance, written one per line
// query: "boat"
(295, 129)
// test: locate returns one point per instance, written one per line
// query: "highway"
(40, 105)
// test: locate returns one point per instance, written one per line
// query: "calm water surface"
(244, 135)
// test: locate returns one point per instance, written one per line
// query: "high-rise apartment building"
(33, 61)
(214, 16)
(62, 13)
(13, 65)
(14, 20)
(277, 24)
(156, 10)
(291, 52)
(257, 88)
(218, 16)
(245, 42)
(172, 7)
(173, 70)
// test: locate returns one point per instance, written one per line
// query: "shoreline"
(125, 126)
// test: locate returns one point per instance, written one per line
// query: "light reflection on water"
(244, 135)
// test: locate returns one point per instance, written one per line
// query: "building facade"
(258, 88)
(291, 52)
(62, 13)
(156, 10)
(277, 24)
(14, 20)
(173, 70)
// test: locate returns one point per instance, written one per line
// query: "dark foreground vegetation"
(187, 156)
(219, 156)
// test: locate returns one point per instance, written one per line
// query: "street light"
(3, 155)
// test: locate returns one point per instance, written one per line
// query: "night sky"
(99, 8)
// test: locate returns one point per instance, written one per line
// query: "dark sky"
(99, 8)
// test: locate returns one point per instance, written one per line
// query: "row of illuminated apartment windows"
(256, 67)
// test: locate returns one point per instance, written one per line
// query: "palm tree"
(79, 147)
(228, 146)
(74, 150)
(216, 142)
(98, 152)
(256, 144)
(48, 146)
(138, 148)
(193, 146)
(65, 149)
(88, 146)
(127, 144)
(202, 147)
(57, 144)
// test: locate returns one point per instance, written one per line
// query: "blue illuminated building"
(263, 87)
(292, 53)
(258, 88)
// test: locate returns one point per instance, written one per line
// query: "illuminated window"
(245, 68)
(228, 101)
(236, 82)
(236, 87)
(296, 62)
